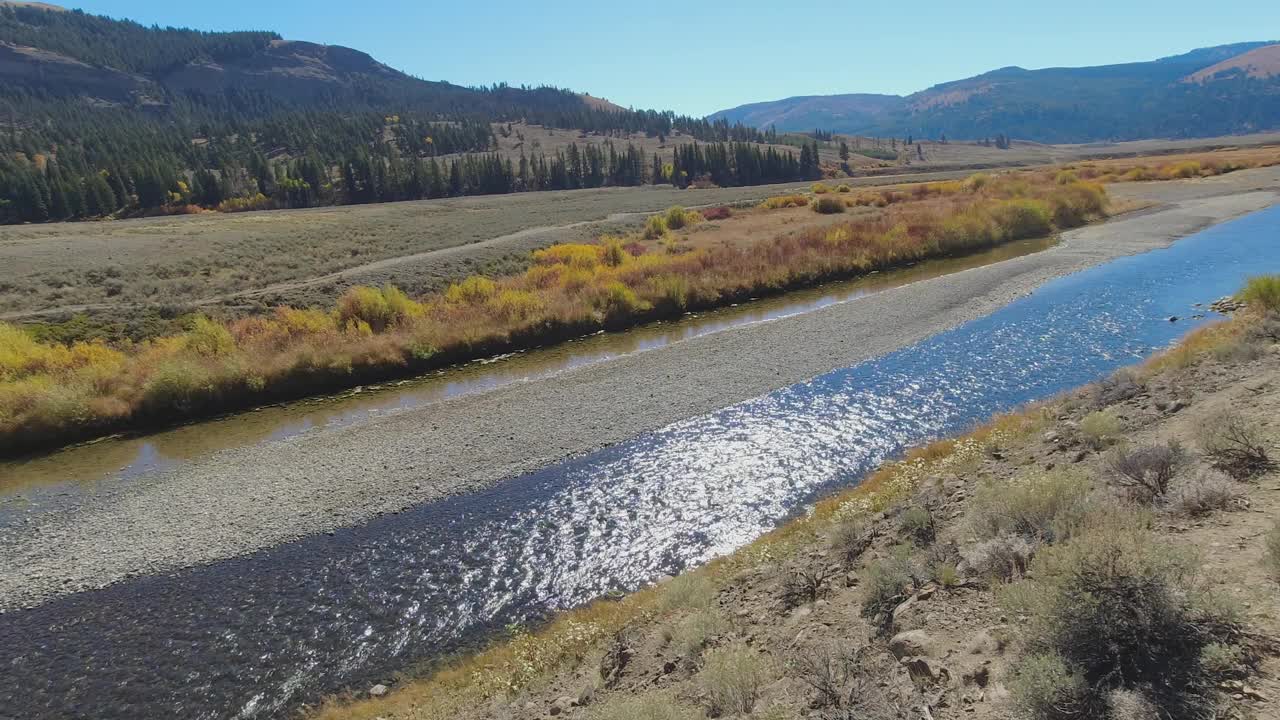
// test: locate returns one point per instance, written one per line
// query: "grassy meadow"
(53, 392)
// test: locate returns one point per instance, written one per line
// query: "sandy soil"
(237, 501)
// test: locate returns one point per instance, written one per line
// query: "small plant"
(843, 188)
(731, 679)
(1100, 428)
(917, 525)
(843, 679)
(692, 633)
(804, 585)
(650, 706)
(828, 205)
(1145, 472)
(946, 575)
(1234, 446)
(850, 540)
(691, 591)
(1205, 493)
(1039, 507)
(820, 188)
(1262, 292)
(888, 584)
(1044, 688)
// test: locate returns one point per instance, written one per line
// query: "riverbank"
(55, 392)
(939, 585)
(234, 502)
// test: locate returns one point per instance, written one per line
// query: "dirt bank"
(237, 501)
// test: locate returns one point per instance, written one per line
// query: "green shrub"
(649, 706)
(1044, 688)
(690, 635)
(1120, 611)
(843, 188)
(917, 525)
(1022, 218)
(691, 591)
(1100, 428)
(1262, 292)
(889, 583)
(1040, 507)
(828, 205)
(731, 679)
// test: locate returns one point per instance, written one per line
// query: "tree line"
(44, 190)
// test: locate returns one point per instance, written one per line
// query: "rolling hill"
(1211, 91)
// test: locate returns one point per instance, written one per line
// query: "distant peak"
(39, 5)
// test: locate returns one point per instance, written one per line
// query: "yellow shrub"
(516, 304)
(677, 218)
(472, 291)
(612, 251)
(784, 201)
(820, 188)
(655, 227)
(572, 254)
(1186, 169)
(209, 338)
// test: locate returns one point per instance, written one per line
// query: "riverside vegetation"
(1034, 568)
(55, 392)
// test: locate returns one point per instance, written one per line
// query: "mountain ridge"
(1057, 104)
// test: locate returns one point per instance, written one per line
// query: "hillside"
(107, 118)
(1232, 89)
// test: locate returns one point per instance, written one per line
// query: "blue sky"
(697, 56)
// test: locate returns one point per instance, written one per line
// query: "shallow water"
(255, 636)
(50, 480)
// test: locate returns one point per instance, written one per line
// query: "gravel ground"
(237, 501)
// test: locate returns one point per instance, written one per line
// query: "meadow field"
(133, 277)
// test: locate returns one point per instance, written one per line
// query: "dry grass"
(52, 391)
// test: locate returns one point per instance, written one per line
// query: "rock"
(560, 705)
(988, 641)
(1253, 694)
(585, 697)
(926, 593)
(1175, 406)
(909, 643)
(924, 671)
(1080, 456)
(1051, 437)
(378, 690)
(1173, 318)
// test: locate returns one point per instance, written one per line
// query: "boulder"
(911, 643)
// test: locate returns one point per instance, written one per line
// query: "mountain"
(1210, 91)
(104, 117)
